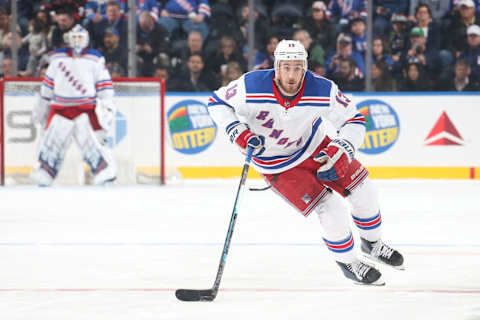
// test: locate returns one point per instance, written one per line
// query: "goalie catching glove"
(243, 137)
(335, 160)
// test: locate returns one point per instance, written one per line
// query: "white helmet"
(77, 38)
(290, 50)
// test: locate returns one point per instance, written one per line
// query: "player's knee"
(364, 198)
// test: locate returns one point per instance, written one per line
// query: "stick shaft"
(233, 219)
(210, 294)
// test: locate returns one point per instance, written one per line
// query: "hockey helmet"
(290, 50)
(77, 38)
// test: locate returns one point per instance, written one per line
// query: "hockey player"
(75, 103)
(285, 114)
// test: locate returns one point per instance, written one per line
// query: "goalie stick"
(210, 294)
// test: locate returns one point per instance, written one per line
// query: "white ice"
(119, 253)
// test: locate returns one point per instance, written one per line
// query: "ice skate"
(381, 252)
(362, 273)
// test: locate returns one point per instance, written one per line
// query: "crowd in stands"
(199, 45)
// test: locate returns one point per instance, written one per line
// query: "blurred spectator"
(462, 80)
(37, 44)
(65, 22)
(344, 50)
(233, 72)
(379, 54)
(454, 5)
(194, 45)
(320, 28)
(196, 78)
(115, 70)
(4, 25)
(152, 39)
(111, 47)
(472, 53)
(383, 11)
(161, 71)
(419, 53)
(397, 41)
(22, 52)
(457, 37)
(227, 52)
(264, 57)
(431, 29)
(95, 10)
(439, 9)
(315, 51)
(318, 68)
(48, 26)
(346, 77)
(113, 19)
(341, 12)
(285, 16)
(188, 15)
(382, 79)
(415, 78)
(358, 29)
(262, 27)
(7, 68)
(151, 6)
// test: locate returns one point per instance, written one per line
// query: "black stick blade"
(195, 295)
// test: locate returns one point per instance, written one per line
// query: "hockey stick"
(210, 294)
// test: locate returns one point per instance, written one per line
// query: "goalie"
(75, 103)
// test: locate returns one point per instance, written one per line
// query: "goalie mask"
(291, 50)
(77, 39)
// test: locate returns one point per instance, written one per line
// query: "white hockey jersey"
(76, 80)
(292, 129)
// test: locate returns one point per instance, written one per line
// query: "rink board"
(428, 135)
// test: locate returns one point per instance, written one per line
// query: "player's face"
(290, 75)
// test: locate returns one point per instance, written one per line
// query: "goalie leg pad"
(97, 156)
(55, 143)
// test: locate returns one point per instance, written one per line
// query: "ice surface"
(120, 253)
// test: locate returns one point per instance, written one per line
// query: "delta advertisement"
(408, 135)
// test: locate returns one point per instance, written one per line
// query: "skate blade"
(402, 267)
(377, 283)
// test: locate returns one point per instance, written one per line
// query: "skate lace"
(380, 249)
(360, 269)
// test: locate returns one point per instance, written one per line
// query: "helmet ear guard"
(77, 38)
(290, 50)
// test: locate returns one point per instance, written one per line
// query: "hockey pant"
(59, 134)
(300, 187)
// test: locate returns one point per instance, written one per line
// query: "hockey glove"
(335, 160)
(243, 137)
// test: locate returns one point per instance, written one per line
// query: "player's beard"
(289, 87)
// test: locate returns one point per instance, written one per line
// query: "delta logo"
(444, 133)
(382, 124)
(192, 130)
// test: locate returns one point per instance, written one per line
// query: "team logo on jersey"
(191, 128)
(382, 125)
(444, 133)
